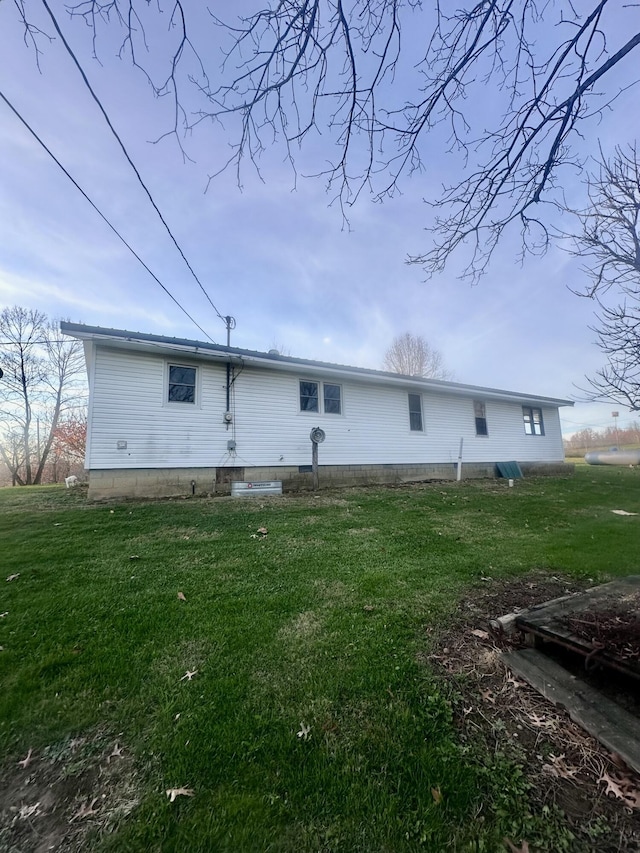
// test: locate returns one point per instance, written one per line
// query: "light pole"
(614, 415)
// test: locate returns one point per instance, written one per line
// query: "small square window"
(308, 396)
(415, 412)
(481, 418)
(533, 423)
(182, 384)
(332, 402)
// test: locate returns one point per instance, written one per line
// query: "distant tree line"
(590, 439)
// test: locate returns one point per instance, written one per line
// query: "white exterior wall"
(127, 403)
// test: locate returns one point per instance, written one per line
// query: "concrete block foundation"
(184, 482)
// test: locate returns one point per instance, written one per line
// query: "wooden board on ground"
(603, 623)
(606, 721)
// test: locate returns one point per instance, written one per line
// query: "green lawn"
(312, 722)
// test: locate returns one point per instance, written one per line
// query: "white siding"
(128, 404)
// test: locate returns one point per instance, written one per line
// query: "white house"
(169, 416)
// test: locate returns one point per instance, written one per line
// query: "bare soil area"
(64, 796)
(568, 770)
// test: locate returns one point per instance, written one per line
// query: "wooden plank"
(549, 620)
(612, 725)
(543, 614)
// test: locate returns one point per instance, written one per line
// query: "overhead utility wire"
(101, 214)
(126, 154)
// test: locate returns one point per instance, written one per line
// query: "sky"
(274, 254)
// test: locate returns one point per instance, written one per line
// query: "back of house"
(170, 416)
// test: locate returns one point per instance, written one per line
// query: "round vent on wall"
(317, 435)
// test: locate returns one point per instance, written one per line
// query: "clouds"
(276, 255)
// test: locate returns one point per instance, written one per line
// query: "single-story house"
(169, 416)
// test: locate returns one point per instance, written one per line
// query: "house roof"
(201, 350)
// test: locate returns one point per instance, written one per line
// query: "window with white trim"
(533, 423)
(480, 414)
(415, 413)
(320, 397)
(182, 384)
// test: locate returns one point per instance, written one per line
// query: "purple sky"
(275, 257)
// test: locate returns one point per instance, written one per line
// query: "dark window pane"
(182, 375)
(308, 396)
(332, 399)
(415, 412)
(182, 384)
(481, 426)
(182, 394)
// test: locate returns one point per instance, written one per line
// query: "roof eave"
(215, 352)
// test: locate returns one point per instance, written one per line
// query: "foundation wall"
(183, 482)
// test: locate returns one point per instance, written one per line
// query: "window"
(311, 393)
(182, 384)
(481, 418)
(331, 399)
(533, 424)
(308, 396)
(415, 412)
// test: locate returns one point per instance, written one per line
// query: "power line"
(101, 214)
(126, 154)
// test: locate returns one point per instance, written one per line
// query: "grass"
(317, 627)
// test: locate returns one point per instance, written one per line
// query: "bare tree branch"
(387, 82)
(608, 242)
(41, 381)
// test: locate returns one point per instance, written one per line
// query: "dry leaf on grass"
(172, 793)
(622, 512)
(117, 752)
(13, 577)
(623, 788)
(85, 810)
(189, 674)
(437, 796)
(512, 847)
(26, 761)
(540, 722)
(304, 732)
(557, 767)
(29, 811)
(181, 596)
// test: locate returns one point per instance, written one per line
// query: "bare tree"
(388, 82)
(608, 241)
(412, 355)
(40, 382)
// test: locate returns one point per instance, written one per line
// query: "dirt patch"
(67, 795)
(567, 769)
(303, 626)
